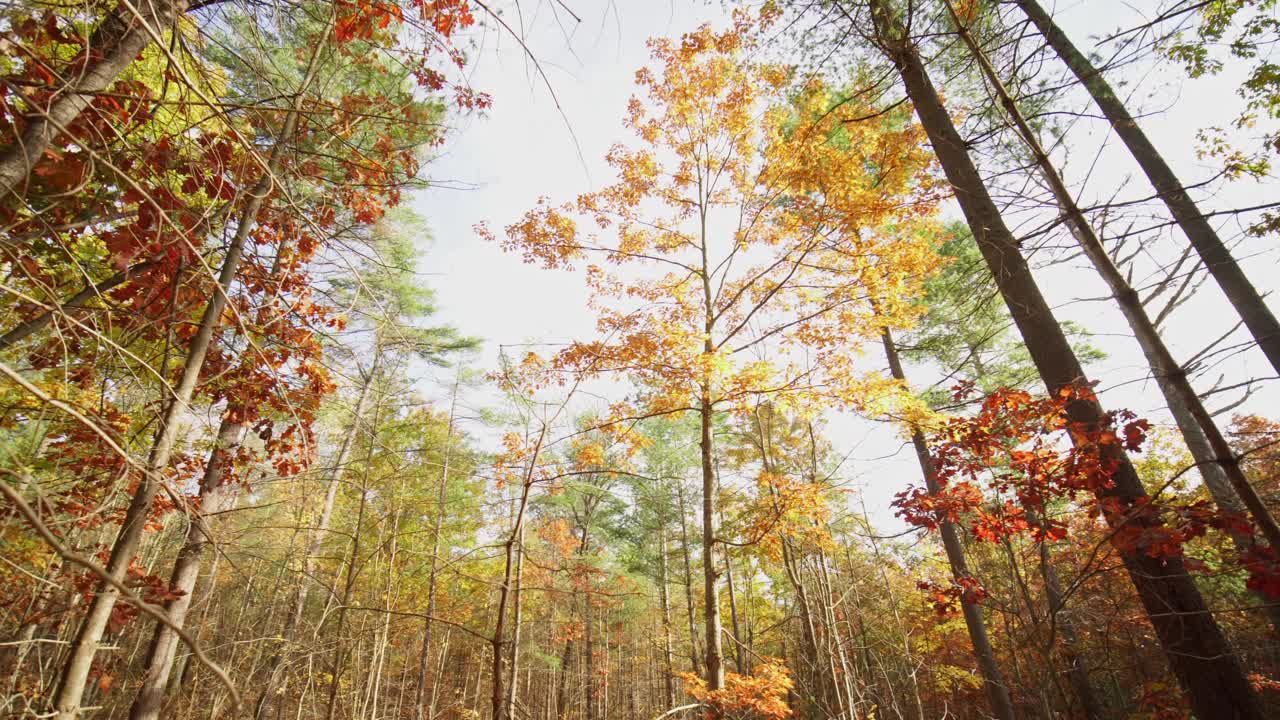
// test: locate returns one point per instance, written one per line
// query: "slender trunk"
(1169, 374)
(668, 676)
(562, 689)
(183, 669)
(435, 686)
(1258, 318)
(116, 43)
(353, 567)
(389, 590)
(688, 581)
(710, 571)
(516, 620)
(589, 660)
(843, 679)
(847, 680)
(80, 658)
(824, 685)
(714, 674)
(215, 496)
(424, 658)
(1193, 643)
(271, 687)
(498, 642)
(739, 661)
(588, 629)
(75, 671)
(808, 630)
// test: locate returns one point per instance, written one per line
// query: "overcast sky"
(533, 144)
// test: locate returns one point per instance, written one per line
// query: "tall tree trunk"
(589, 660)
(116, 43)
(688, 580)
(271, 687)
(668, 675)
(75, 671)
(353, 568)
(591, 703)
(1193, 643)
(714, 674)
(739, 661)
(1258, 318)
(215, 496)
(562, 683)
(498, 696)
(710, 571)
(424, 658)
(513, 677)
(1218, 464)
(824, 683)
(1169, 374)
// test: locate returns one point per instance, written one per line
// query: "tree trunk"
(513, 676)
(710, 572)
(997, 688)
(1169, 375)
(79, 661)
(589, 660)
(424, 659)
(1193, 643)
(688, 581)
(274, 666)
(562, 689)
(498, 696)
(215, 496)
(1258, 318)
(1217, 463)
(714, 674)
(353, 568)
(668, 675)
(738, 652)
(116, 42)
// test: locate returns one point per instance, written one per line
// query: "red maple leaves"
(1020, 462)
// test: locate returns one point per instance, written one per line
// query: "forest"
(893, 359)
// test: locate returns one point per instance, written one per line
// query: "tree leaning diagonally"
(1198, 427)
(1244, 297)
(116, 43)
(993, 679)
(75, 671)
(1193, 643)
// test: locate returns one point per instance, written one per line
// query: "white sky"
(523, 149)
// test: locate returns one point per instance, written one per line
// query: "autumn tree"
(1163, 583)
(747, 214)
